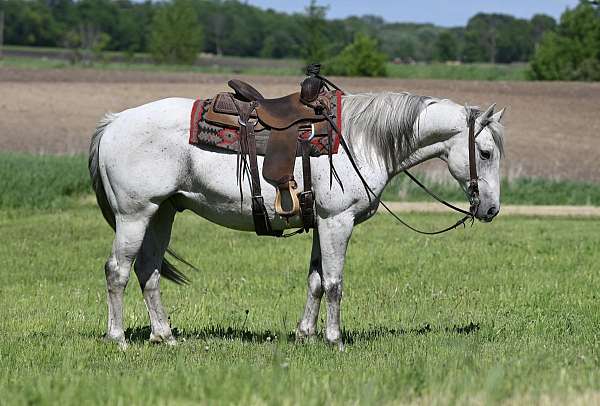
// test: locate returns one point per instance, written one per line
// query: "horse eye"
(485, 155)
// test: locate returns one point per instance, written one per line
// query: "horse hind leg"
(147, 268)
(129, 234)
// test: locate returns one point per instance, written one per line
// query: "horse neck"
(437, 124)
(434, 123)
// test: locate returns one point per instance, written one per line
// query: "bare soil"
(553, 129)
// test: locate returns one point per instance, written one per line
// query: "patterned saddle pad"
(205, 133)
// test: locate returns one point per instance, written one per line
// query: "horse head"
(488, 150)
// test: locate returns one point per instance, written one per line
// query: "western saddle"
(287, 118)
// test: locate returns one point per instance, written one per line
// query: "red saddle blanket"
(204, 133)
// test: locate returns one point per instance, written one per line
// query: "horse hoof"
(167, 339)
(120, 340)
(336, 343)
(340, 345)
(302, 338)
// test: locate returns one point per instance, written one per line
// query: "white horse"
(144, 170)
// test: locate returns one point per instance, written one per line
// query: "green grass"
(505, 311)
(42, 181)
(474, 71)
(47, 181)
(43, 63)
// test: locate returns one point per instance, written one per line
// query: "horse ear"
(484, 118)
(498, 116)
(489, 112)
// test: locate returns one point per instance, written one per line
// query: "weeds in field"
(47, 181)
(42, 181)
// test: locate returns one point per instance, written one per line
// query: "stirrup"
(291, 189)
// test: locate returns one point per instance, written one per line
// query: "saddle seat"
(278, 113)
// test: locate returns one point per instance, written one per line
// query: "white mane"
(383, 123)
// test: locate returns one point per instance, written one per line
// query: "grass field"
(41, 63)
(500, 312)
(255, 66)
(469, 71)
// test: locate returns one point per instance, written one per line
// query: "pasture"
(505, 312)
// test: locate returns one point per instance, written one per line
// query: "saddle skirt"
(214, 123)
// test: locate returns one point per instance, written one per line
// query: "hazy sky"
(439, 12)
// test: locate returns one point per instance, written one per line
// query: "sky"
(445, 13)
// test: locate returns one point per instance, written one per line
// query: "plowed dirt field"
(553, 129)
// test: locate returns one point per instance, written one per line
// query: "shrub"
(573, 51)
(361, 58)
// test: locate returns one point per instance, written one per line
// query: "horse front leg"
(334, 234)
(308, 323)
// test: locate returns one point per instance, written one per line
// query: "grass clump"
(42, 181)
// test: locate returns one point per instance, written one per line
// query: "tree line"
(231, 27)
(175, 30)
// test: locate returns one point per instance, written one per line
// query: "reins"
(473, 188)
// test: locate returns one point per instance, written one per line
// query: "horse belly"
(215, 193)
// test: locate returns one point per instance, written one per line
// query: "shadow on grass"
(349, 336)
(141, 334)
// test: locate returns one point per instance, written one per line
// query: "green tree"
(497, 38)
(315, 48)
(446, 47)
(540, 24)
(176, 35)
(29, 23)
(360, 58)
(572, 52)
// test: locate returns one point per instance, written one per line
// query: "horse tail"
(94, 168)
(167, 269)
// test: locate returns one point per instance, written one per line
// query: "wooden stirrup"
(291, 188)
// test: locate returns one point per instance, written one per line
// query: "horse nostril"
(492, 211)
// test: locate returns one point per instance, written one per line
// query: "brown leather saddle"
(285, 118)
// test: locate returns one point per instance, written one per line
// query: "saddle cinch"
(281, 129)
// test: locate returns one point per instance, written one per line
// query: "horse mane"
(383, 123)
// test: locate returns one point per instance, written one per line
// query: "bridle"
(472, 189)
